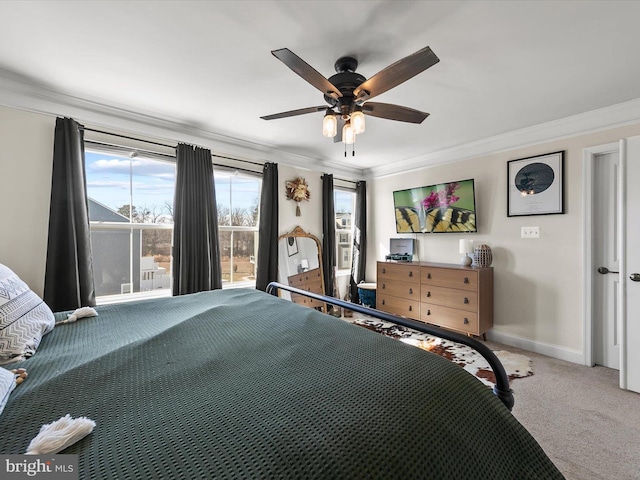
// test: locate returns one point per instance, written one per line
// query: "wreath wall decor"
(298, 190)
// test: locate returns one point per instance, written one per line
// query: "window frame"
(344, 245)
(124, 152)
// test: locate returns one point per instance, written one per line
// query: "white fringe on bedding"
(56, 436)
(78, 314)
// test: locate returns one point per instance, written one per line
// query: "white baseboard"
(555, 351)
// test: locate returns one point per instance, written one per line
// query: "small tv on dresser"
(441, 208)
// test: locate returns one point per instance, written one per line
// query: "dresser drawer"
(305, 277)
(404, 272)
(444, 277)
(314, 286)
(398, 306)
(410, 291)
(450, 297)
(306, 301)
(452, 318)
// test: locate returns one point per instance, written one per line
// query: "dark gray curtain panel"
(68, 282)
(359, 256)
(196, 250)
(267, 268)
(328, 234)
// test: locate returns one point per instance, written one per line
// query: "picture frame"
(292, 246)
(535, 185)
(344, 257)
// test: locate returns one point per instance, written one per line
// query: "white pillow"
(7, 384)
(24, 318)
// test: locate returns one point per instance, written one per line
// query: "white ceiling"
(207, 65)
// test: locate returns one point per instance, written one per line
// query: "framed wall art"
(536, 185)
(292, 246)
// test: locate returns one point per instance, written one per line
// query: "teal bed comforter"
(241, 384)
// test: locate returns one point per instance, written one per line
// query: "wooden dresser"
(452, 296)
(311, 281)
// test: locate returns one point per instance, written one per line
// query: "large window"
(131, 215)
(238, 199)
(344, 204)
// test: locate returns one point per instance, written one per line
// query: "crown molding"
(23, 94)
(613, 116)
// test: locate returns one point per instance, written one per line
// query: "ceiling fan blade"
(306, 71)
(293, 113)
(394, 112)
(395, 74)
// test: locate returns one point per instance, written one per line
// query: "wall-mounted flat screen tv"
(443, 208)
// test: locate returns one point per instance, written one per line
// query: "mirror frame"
(299, 232)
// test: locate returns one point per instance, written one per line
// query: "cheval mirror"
(300, 266)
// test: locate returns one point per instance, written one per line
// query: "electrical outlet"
(530, 232)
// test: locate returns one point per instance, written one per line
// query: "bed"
(241, 384)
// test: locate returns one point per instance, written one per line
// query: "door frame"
(588, 166)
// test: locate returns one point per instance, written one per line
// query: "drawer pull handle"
(466, 301)
(410, 308)
(384, 270)
(466, 279)
(428, 294)
(383, 302)
(466, 321)
(428, 275)
(428, 312)
(384, 285)
(411, 291)
(411, 274)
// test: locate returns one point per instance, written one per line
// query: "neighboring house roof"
(101, 213)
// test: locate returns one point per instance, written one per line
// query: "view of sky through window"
(115, 180)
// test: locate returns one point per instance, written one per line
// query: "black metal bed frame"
(501, 388)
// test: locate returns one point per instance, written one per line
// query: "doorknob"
(605, 270)
(635, 277)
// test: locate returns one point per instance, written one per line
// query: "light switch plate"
(530, 232)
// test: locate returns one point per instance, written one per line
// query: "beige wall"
(538, 282)
(26, 152)
(310, 219)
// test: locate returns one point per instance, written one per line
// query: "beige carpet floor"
(585, 423)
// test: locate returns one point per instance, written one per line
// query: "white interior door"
(630, 270)
(606, 324)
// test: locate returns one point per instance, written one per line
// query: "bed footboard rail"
(501, 389)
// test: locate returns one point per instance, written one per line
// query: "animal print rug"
(516, 365)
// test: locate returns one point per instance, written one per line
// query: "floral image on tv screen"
(443, 208)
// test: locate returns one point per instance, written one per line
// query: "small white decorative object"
(482, 256)
(79, 313)
(56, 436)
(466, 247)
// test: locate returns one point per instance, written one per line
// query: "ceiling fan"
(347, 93)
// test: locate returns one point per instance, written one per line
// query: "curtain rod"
(170, 146)
(213, 154)
(343, 179)
(128, 138)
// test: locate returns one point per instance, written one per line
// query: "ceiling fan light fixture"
(348, 135)
(357, 122)
(329, 124)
